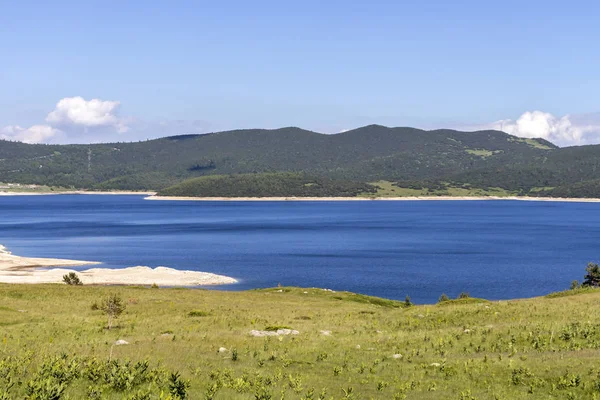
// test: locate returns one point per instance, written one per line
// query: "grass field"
(388, 189)
(542, 348)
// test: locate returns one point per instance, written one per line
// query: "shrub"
(113, 307)
(443, 298)
(178, 387)
(407, 301)
(463, 295)
(574, 285)
(72, 279)
(198, 313)
(592, 277)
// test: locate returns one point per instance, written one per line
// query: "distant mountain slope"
(366, 154)
(279, 184)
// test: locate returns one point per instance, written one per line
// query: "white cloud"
(33, 134)
(76, 111)
(562, 131)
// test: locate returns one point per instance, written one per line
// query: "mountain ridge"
(486, 158)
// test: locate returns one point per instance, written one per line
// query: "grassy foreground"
(542, 348)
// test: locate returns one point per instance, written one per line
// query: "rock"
(358, 346)
(222, 350)
(305, 292)
(397, 356)
(121, 342)
(421, 316)
(467, 331)
(326, 333)
(280, 332)
(435, 365)
(280, 291)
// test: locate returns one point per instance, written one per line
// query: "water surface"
(492, 249)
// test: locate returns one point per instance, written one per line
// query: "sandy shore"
(33, 193)
(15, 269)
(430, 198)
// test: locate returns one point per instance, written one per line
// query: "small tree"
(113, 307)
(443, 298)
(592, 278)
(574, 285)
(463, 295)
(72, 279)
(407, 301)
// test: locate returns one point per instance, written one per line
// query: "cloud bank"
(76, 111)
(562, 131)
(33, 134)
(71, 116)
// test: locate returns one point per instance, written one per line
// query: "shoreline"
(412, 198)
(29, 270)
(119, 192)
(153, 196)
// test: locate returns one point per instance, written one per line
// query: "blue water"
(491, 249)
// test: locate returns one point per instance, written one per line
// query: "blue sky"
(200, 66)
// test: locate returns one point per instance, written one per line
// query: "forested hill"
(367, 154)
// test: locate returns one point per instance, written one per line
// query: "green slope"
(370, 153)
(53, 339)
(281, 184)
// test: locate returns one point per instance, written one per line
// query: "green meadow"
(196, 344)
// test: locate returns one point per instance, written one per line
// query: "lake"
(491, 249)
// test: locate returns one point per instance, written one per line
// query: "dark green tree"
(592, 277)
(72, 279)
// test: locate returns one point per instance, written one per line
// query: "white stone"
(222, 349)
(397, 356)
(121, 342)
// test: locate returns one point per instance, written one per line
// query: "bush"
(463, 295)
(443, 298)
(198, 313)
(178, 387)
(407, 301)
(574, 285)
(72, 279)
(113, 307)
(592, 277)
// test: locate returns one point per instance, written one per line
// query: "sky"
(99, 71)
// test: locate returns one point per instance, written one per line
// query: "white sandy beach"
(426, 198)
(15, 269)
(33, 193)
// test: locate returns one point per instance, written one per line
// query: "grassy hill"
(439, 161)
(280, 184)
(348, 346)
(366, 154)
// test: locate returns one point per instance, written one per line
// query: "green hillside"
(281, 184)
(197, 344)
(366, 154)
(477, 161)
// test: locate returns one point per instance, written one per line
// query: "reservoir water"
(491, 249)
